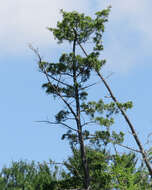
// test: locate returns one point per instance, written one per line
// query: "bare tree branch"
(85, 87)
(59, 81)
(89, 122)
(35, 51)
(129, 148)
(58, 123)
(109, 75)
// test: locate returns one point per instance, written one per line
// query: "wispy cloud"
(26, 21)
(128, 35)
(136, 12)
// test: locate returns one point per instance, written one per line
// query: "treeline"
(107, 172)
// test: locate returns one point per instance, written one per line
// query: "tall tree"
(70, 78)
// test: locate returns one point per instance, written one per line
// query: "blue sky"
(127, 42)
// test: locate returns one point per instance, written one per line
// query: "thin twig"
(88, 86)
(129, 148)
(59, 81)
(109, 75)
(58, 123)
(89, 122)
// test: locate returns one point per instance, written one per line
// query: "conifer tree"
(70, 78)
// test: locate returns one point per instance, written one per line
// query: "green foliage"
(107, 171)
(98, 167)
(28, 176)
(85, 26)
(93, 108)
(125, 174)
(62, 116)
(126, 105)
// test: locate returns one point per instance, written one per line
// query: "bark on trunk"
(79, 126)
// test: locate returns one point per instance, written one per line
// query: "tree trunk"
(79, 127)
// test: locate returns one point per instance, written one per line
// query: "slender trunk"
(79, 126)
(83, 158)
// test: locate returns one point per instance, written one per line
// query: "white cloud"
(128, 34)
(137, 12)
(25, 21)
